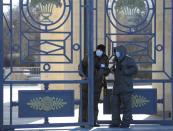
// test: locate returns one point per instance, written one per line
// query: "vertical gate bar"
(80, 29)
(1, 64)
(86, 45)
(172, 60)
(11, 59)
(85, 27)
(80, 59)
(81, 104)
(105, 31)
(155, 41)
(164, 35)
(71, 7)
(96, 23)
(11, 105)
(20, 30)
(90, 62)
(163, 100)
(11, 36)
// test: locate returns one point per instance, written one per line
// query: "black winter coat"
(124, 71)
(99, 73)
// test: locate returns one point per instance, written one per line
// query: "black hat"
(101, 47)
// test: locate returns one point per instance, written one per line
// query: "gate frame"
(1, 64)
(172, 59)
(89, 38)
(161, 122)
(90, 35)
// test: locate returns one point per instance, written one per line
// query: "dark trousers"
(97, 92)
(121, 100)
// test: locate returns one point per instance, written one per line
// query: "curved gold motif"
(139, 101)
(46, 103)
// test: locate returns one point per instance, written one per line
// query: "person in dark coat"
(101, 70)
(124, 69)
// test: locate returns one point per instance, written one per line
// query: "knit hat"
(101, 47)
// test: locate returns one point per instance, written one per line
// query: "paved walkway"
(106, 128)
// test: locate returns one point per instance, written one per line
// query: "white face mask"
(118, 54)
(99, 53)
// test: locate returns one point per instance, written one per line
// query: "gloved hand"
(97, 66)
(102, 65)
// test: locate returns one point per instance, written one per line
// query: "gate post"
(90, 40)
(1, 64)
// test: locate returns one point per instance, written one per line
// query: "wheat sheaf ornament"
(46, 103)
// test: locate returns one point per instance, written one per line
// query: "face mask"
(99, 53)
(118, 54)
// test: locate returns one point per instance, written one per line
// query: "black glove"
(119, 66)
(97, 66)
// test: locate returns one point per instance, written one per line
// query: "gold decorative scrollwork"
(139, 101)
(46, 103)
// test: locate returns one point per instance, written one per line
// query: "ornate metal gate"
(43, 43)
(144, 27)
(41, 51)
